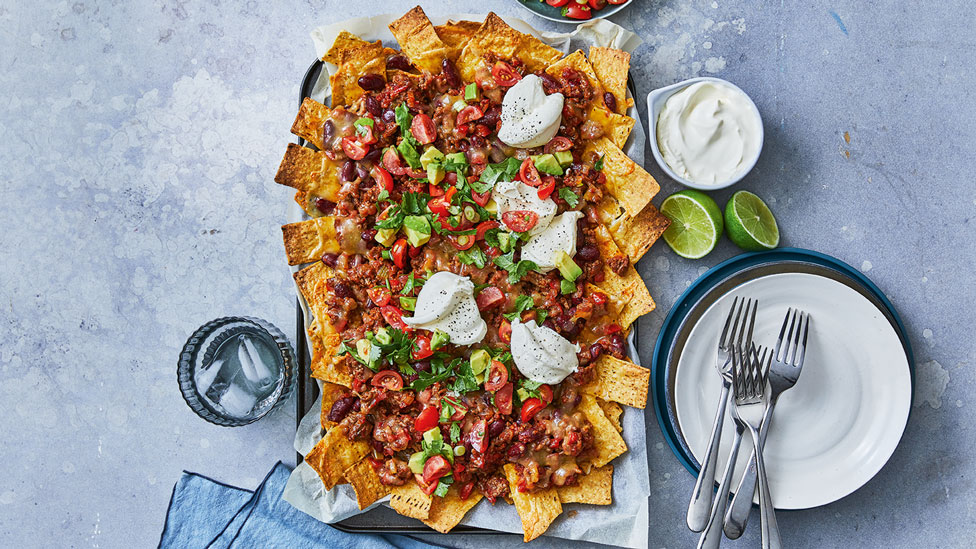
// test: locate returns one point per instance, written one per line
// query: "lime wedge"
(696, 223)
(749, 223)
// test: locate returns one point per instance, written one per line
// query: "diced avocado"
(492, 207)
(505, 242)
(565, 287)
(383, 336)
(410, 303)
(435, 173)
(565, 158)
(432, 434)
(416, 462)
(459, 105)
(439, 339)
(547, 163)
(471, 92)
(567, 267)
(480, 360)
(431, 156)
(385, 236)
(523, 394)
(417, 229)
(456, 158)
(362, 347)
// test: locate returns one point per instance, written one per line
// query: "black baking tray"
(380, 520)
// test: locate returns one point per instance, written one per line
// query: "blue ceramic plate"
(679, 342)
(555, 14)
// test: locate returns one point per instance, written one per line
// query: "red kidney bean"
(373, 106)
(368, 234)
(328, 131)
(330, 259)
(422, 366)
(549, 84)
(348, 171)
(325, 206)
(496, 428)
(371, 82)
(549, 324)
(595, 351)
(618, 345)
(341, 408)
(341, 289)
(570, 329)
(358, 259)
(373, 155)
(389, 115)
(492, 117)
(398, 62)
(477, 141)
(361, 171)
(516, 450)
(610, 101)
(588, 253)
(451, 75)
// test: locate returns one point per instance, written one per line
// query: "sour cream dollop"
(530, 118)
(515, 195)
(560, 235)
(709, 132)
(541, 354)
(446, 303)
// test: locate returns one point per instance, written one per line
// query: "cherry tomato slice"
(440, 205)
(379, 296)
(529, 174)
(399, 253)
(520, 220)
(503, 399)
(423, 129)
(469, 114)
(505, 331)
(387, 379)
(462, 241)
(557, 3)
(353, 148)
(450, 179)
(576, 11)
(478, 436)
(435, 190)
(617, 2)
(545, 392)
(548, 186)
(383, 178)
(597, 4)
(466, 490)
(481, 199)
(427, 419)
(492, 252)
(504, 74)
(425, 487)
(483, 228)
(366, 135)
(391, 161)
(394, 317)
(530, 408)
(488, 297)
(436, 467)
(497, 376)
(413, 251)
(421, 348)
(557, 144)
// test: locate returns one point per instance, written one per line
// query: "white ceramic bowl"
(655, 103)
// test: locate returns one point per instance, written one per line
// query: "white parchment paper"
(623, 523)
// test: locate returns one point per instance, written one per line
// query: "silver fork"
(749, 406)
(787, 362)
(712, 536)
(737, 331)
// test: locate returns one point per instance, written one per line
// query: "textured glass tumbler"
(235, 370)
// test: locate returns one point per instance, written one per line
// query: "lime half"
(749, 223)
(696, 223)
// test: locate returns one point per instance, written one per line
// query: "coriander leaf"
(351, 351)
(403, 119)
(455, 433)
(541, 315)
(522, 303)
(465, 381)
(473, 256)
(442, 487)
(515, 270)
(569, 196)
(598, 166)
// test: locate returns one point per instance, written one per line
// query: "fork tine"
(740, 336)
(752, 320)
(791, 341)
(802, 345)
(782, 332)
(728, 320)
(735, 325)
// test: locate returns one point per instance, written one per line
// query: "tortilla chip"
(635, 235)
(344, 42)
(496, 37)
(629, 183)
(447, 512)
(322, 337)
(308, 123)
(455, 34)
(639, 303)
(611, 67)
(419, 41)
(333, 455)
(616, 127)
(310, 172)
(410, 501)
(577, 60)
(628, 293)
(613, 411)
(366, 483)
(607, 441)
(536, 54)
(620, 381)
(594, 488)
(366, 58)
(306, 241)
(331, 392)
(536, 509)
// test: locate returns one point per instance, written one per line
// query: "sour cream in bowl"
(708, 133)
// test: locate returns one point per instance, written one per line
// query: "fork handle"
(767, 514)
(738, 513)
(701, 499)
(712, 536)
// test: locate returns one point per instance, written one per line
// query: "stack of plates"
(840, 424)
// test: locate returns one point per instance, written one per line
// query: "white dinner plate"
(834, 430)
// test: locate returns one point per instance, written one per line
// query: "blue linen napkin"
(204, 513)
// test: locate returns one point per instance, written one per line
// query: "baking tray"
(380, 520)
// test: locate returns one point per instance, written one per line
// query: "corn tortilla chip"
(616, 127)
(366, 483)
(333, 455)
(536, 509)
(457, 33)
(419, 40)
(344, 42)
(608, 442)
(635, 235)
(629, 183)
(308, 123)
(447, 512)
(611, 67)
(627, 291)
(367, 58)
(310, 172)
(331, 392)
(613, 411)
(410, 501)
(306, 241)
(594, 488)
(620, 381)
(496, 37)
(577, 60)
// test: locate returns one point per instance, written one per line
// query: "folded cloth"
(204, 513)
